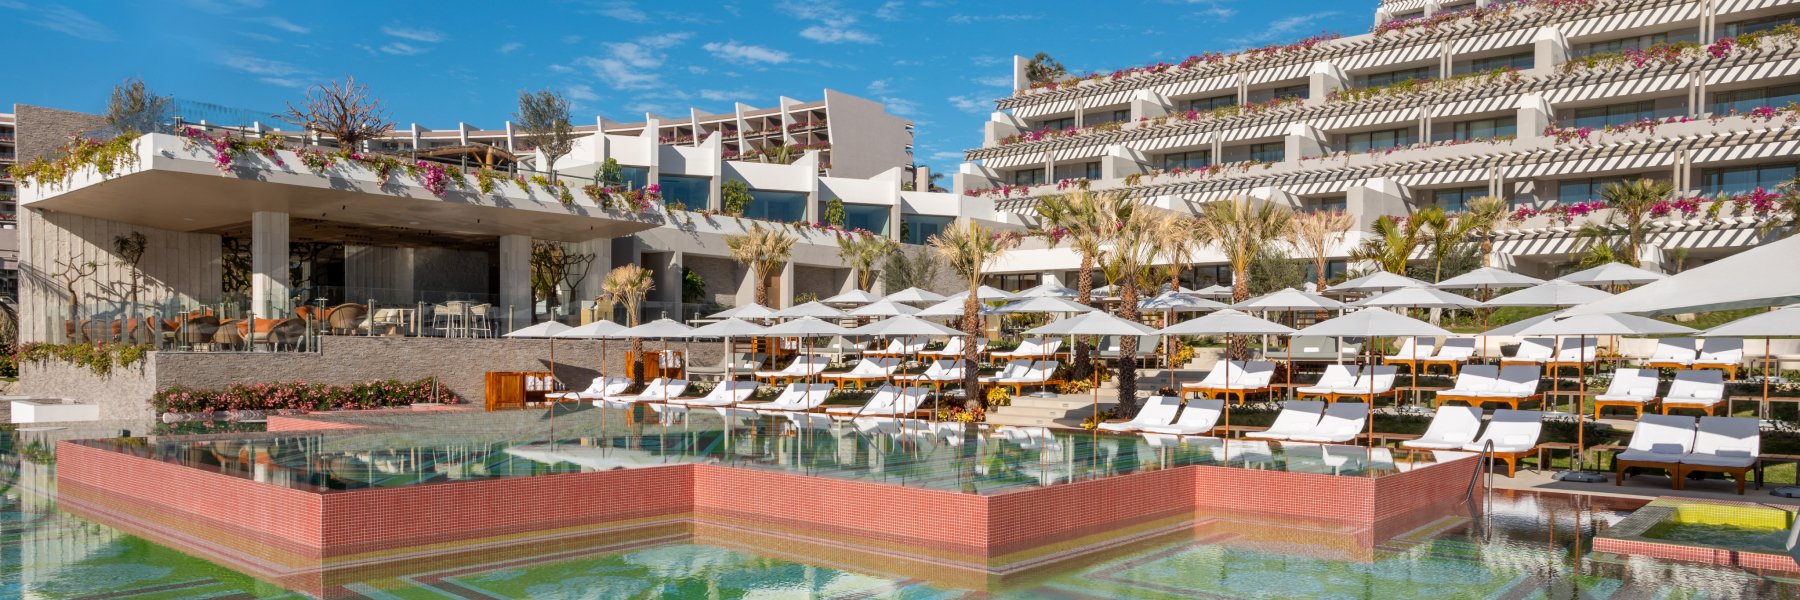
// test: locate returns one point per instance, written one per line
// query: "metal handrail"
(1487, 465)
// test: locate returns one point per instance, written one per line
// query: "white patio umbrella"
(1517, 327)
(813, 309)
(853, 297)
(1780, 323)
(1378, 281)
(1374, 322)
(985, 294)
(914, 295)
(1229, 323)
(1215, 291)
(1613, 274)
(950, 308)
(1044, 304)
(906, 326)
(661, 329)
(597, 330)
(1488, 278)
(747, 311)
(545, 330)
(1105, 291)
(728, 329)
(1558, 294)
(1748, 279)
(1418, 297)
(883, 308)
(1169, 303)
(1288, 299)
(1094, 323)
(1583, 326)
(1047, 289)
(805, 328)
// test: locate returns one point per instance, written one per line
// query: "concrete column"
(1303, 141)
(269, 264)
(1149, 104)
(783, 294)
(1324, 79)
(589, 288)
(1549, 50)
(1534, 114)
(515, 280)
(1374, 198)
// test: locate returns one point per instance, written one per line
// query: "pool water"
(1528, 546)
(1725, 535)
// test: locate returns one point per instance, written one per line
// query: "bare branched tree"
(544, 116)
(345, 112)
(135, 108)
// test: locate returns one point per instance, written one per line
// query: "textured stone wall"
(41, 131)
(723, 277)
(821, 282)
(122, 395)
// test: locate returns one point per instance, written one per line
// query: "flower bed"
(1177, 118)
(301, 396)
(1491, 12)
(1203, 59)
(1418, 87)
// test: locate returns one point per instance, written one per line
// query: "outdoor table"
(1761, 461)
(1763, 408)
(1550, 448)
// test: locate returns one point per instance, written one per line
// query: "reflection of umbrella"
(544, 330)
(1046, 290)
(1488, 278)
(1586, 325)
(1745, 280)
(913, 295)
(1371, 323)
(594, 331)
(1094, 323)
(883, 308)
(747, 311)
(810, 309)
(1613, 274)
(852, 297)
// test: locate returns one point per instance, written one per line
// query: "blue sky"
(940, 63)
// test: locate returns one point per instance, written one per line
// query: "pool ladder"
(1487, 483)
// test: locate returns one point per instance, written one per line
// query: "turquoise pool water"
(1536, 547)
(1722, 535)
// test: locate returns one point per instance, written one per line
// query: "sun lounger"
(1452, 428)
(1473, 381)
(1213, 378)
(1531, 351)
(727, 393)
(1578, 352)
(1198, 418)
(1341, 423)
(1701, 390)
(1673, 353)
(1159, 410)
(1015, 369)
(600, 388)
(1659, 443)
(1255, 377)
(661, 389)
(937, 374)
(802, 368)
(1031, 348)
(1412, 351)
(1112, 349)
(1373, 382)
(1041, 373)
(1297, 417)
(796, 397)
(1514, 434)
(1516, 384)
(1725, 354)
(1630, 388)
(888, 401)
(1453, 353)
(906, 347)
(1336, 376)
(954, 348)
(743, 364)
(866, 370)
(1730, 445)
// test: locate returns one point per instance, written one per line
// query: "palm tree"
(970, 249)
(1240, 229)
(1788, 204)
(1314, 233)
(628, 285)
(862, 252)
(765, 252)
(1391, 246)
(1482, 217)
(1074, 216)
(1138, 236)
(1631, 202)
(1444, 231)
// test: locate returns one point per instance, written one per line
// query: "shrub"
(301, 396)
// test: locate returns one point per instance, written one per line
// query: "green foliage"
(100, 359)
(611, 173)
(106, 157)
(302, 396)
(834, 212)
(693, 287)
(1044, 69)
(917, 267)
(1271, 270)
(735, 198)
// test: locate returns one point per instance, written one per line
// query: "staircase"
(1061, 411)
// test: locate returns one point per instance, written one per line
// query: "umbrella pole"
(1372, 388)
(1763, 411)
(1290, 366)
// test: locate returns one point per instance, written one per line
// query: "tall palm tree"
(765, 251)
(1240, 228)
(1629, 220)
(971, 249)
(1075, 217)
(1314, 233)
(862, 252)
(628, 285)
(1139, 235)
(1444, 232)
(1181, 240)
(1483, 216)
(1391, 246)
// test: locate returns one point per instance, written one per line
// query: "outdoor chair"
(802, 368)
(1531, 351)
(1578, 352)
(1471, 383)
(1699, 390)
(888, 401)
(1198, 418)
(1041, 373)
(1454, 353)
(1255, 377)
(937, 374)
(1158, 410)
(1017, 368)
(1514, 434)
(600, 387)
(1658, 443)
(661, 389)
(1725, 354)
(1412, 352)
(1213, 378)
(1452, 428)
(1372, 383)
(1335, 376)
(1673, 353)
(197, 331)
(1730, 445)
(344, 319)
(1516, 384)
(1297, 417)
(1341, 423)
(1630, 388)
(865, 371)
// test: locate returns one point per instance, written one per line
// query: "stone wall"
(122, 395)
(818, 281)
(723, 277)
(43, 131)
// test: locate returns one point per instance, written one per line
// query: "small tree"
(735, 198)
(834, 212)
(345, 112)
(1445, 233)
(134, 108)
(765, 251)
(693, 287)
(1631, 203)
(628, 285)
(1043, 69)
(1314, 233)
(554, 266)
(862, 252)
(915, 268)
(71, 274)
(130, 247)
(1392, 244)
(611, 174)
(544, 116)
(1483, 217)
(971, 249)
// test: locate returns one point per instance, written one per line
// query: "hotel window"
(1639, 42)
(635, 177)
(1455, 8)
(1476, 129)
(1026, 177)
(1571, 191)
(1272, 152)
(1522, 60)
(1377, 140)
(1206, 104)
(1457, 199)
(1014, 282)
(1375, 80)
(1336, 203)
(1743, 101)
(1410, 15)
(1206, 275)
(1615, 114)
(1089, 170)
(1334, 270)
(1195, 159)
(918, 229)
(1063, 123)
(1741, 180)
(695, 192)
(1759, 24)
(780, 207)
(1301, 91)
(1105, 116)
(871, 217)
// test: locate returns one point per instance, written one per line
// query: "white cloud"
(972, 19)
(947, 155)
(418, 35)
(561, 69)
(1281, 29)
(582, 92)
(900, 106)
(879, 86)
(732, 51)
(624, 11)
(71, 22)
(1215, 9)
(402, 49)
(285, 25)
(633, 65)
(831, 35)
(272, 72)
(995, 81)
(832, 24)
(973, 103)
(509, 47)
(890, 10)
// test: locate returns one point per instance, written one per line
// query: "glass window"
(1195, 159)
(1105, 116)
(1457, 199)
(782, 207)
(1455, 8)
(1090, 170)
(1026, 177)
(1365, 141)
(1206, 104)
(1743, 101)
(695, 192)
(1522, 60)
(1477, 129)
(918, 229)
(1740, 180)
(1301, 91)
(1639, 42)
(635, 177)
(1268, 152)
(872, 217)
(1337, 203)
(1334, 269)
(1375, 80)
(1063, 123)
(1758, 24)
(1572, 191)
(1615, 114)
